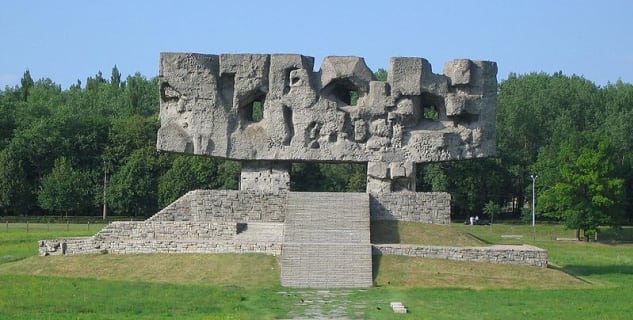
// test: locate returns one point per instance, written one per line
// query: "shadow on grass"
(384, 232)
(482, 240)
(375, 261)
(588, 270)
(616, 235)
(579, 272)
(567, 272)
(7, 259)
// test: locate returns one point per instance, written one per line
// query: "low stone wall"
(426, 207)
(77, 246)
(166, 230)
(225, 205)
(184, 246)
(162, 237)
(207, 221)
(233, 205)
(502, 254)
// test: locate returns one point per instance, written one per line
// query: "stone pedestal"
(385, 177)
(265, 176)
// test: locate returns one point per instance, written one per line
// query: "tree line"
(574, 137)
(67, 152)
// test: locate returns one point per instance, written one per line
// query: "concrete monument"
(270, 110)
(340, 113)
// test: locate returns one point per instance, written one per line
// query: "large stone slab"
(208, 103)
(327, 241)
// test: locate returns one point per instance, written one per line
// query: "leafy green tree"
(187, 173)
(534, 111)
(471, 183)
(92, 84)
(15, 197)
(345, 177)
(115, 78)
(588, 192)
(65, 189)
(228, 175)
(431, 178)
(492, 209)
(305, 176)
(7, 120)
(617, 116)
(133, 189)
(40, 123)
(357, 181)
(127, 135)
(27, 84)
(142, 95)
(381, 74)
(327, 177)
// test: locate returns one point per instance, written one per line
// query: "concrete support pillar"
(386, 177)
(265, 176)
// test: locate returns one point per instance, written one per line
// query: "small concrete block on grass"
(398, 307)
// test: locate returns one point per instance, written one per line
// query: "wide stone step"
(326, 265)
(327, 241)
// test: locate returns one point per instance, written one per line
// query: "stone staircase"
(327, 241)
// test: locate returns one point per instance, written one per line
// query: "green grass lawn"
(19, 240)
(586, 280)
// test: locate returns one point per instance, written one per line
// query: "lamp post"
(533, 198)
(105, 186)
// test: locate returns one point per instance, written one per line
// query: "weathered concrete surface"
(209, 106)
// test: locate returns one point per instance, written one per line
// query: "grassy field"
(586, 280)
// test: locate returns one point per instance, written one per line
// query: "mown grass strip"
(591, 280)
(43, 297)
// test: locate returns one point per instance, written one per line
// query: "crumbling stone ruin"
(270, 110)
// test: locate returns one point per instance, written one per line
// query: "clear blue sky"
(70, 40)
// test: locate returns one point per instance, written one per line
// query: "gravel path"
(324, 304)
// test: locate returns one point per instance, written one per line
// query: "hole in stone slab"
(343, 90)
(313, 130)
(189, 147)
(290, 129)
(253, 109)
(241, 227)
(167, 93)
(288, 80)
(257, 114)
(430, 113)
(227, 87)
(467, 118)
(432, 107)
